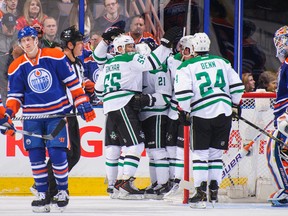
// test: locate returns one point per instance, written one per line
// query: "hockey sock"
(162, 170)
(179, 163)
(58, 157)
(171, 150)
(39, 168)
(152, 171)
(111, 165)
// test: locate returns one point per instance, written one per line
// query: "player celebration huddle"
(150, 91)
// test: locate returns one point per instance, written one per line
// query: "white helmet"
(122, 41)
(143, 49)
(186, 42)
(281, 42)
(201, 42)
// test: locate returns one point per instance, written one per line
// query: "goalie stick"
(261, 130)
(241, 154)
(50, 136)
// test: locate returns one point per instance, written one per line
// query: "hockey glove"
(139, 101)
(84, 108)
(111, 33)
(89, 86)
(236, 112)
(7, 122)
(183, 117)
(170, 35)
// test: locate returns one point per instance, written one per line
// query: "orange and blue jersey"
(91, 69)
(39, 85)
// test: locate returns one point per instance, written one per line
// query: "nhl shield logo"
(39, 80)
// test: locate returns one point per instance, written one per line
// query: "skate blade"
(213, 203)
(41, 209)
(153, 196)
(131, 196)
(114, 195)
(198, 205)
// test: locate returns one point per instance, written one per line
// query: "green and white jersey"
(122, 76)
(158, 84)
(207, 86)
(173, 63)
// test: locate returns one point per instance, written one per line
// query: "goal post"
(250, 177)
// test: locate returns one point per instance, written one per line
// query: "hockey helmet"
(122, 41)
(71, 34)
(186, 42)
(143, 49)
(27, 31)
(281, 41)
(201, 42)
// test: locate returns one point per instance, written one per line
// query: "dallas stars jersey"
(173, 63)
(121, 77)
(207, 86)
(158, 84)
(39, 85)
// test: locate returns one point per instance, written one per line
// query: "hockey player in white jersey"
(156, 83)
(277, 155)
(121, 81)
(175, 130)
(207, 86)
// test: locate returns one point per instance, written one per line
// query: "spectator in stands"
(32, 14)
(50, 37)
(50, 8)
(248, 81)
(111, 17)
(88, 19)
(7, 36)
(10, 6)
(268, 81)
(137, 30)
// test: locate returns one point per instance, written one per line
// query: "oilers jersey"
(281, 102)
(158, 84)
(38, 85)
(121, 77)
(207, 86)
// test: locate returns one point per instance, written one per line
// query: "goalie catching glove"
(170, 35)
(7, 122)
(139, 101)
(84, 108)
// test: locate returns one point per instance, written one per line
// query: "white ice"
(104, 206)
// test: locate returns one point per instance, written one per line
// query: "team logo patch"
(39, 80)
(28, 141)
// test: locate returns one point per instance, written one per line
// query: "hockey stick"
(50, 136)
(261, 130)
(241, 154)
(20, 118)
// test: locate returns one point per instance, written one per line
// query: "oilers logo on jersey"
(39, 80)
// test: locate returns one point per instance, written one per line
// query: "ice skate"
(213, 192)
(41, 203)
(279, 199)
(61, 200)
(129, 191)
(199, 198)
(116, 189)
(33, 190)
(174, 191)
(149, 192)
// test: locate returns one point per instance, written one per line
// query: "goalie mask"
(201, 42)
(281, 42)
(122, 41)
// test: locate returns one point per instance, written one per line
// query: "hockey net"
(251, 176)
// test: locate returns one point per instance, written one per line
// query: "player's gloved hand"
(236, 112)
(170, 35)
(7, 122)
(84, 108)
(139, 101)
(89, 86)
(111, 33)
(183, 117)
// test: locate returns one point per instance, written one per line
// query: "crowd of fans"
(50, 18)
